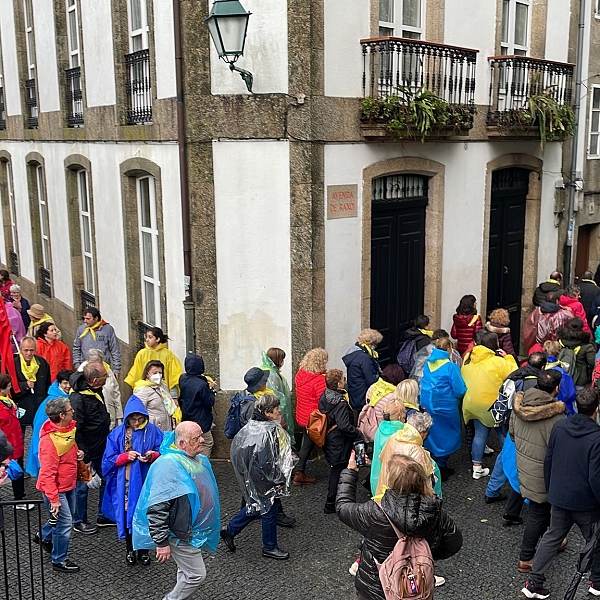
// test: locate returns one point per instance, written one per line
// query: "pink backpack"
(368, 423)
(408, 571)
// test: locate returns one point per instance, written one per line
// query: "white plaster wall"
(45, 51)
(164, 42)
(252, 228)
(557, 30)
(96, 23)
(343, 53)
(464, 211)
(265, 53)
(473, 25)
(108, 217)
(12, 89)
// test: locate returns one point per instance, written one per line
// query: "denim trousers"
(81, 495)
(60, 534)
(538, 520)
(561, 521)
(480, 440)
(269, 525)
(497, 479)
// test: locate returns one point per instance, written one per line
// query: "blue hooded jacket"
(33, 462)
(148, 437)
(196, 398)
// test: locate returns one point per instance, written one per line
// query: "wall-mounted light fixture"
(227, 24)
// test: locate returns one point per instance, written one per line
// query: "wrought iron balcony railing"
(31, 103)
(45, 282)
(390, 63)
(142, 329)
(13, 260)
(2, 110)
(74, 97)
(515, 80)
(138, 88)
(87, 301)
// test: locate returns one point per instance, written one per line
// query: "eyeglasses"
(67, 412)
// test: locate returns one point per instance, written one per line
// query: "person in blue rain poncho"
(442, 387)
(59, 389)
(130, 450)
(178, 510)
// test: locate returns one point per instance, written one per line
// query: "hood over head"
(55, 391)
(409, 435)
(414, 515)
(194, 364)
(134, 405)
(481, 353)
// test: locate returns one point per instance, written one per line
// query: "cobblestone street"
(321, 551)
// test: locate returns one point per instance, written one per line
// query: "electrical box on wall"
(559, 201)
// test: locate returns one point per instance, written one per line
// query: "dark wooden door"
(397, 264)
(583, 250)
(507, 237)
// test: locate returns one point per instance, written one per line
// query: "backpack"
(316, 427)
(406, 356)
(568, 359)
(238, 414)
(368, 423)
(504, 402)
(408, 571)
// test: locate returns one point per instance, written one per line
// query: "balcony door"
(507, 242)
(397, 257)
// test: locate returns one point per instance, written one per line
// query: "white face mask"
(156, 378)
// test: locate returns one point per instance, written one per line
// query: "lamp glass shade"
(227, 25)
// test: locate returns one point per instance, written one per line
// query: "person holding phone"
(130, 450)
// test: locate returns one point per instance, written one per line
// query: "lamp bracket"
(245, 75)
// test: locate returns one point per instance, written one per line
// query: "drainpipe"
(568, 255)
(188, 303)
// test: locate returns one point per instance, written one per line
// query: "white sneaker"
(25, 506)
(353, 569)
(488, 450)
(439, 581)
(594, 591)
(479, 472)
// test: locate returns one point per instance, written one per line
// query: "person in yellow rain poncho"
(156, 349)
(484, 370)
(272, 361)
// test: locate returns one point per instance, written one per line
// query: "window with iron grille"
(30, 86)
(87, 301)
(148, 236)
(45, 282)
(74, 93)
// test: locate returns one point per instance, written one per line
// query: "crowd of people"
(148, 455)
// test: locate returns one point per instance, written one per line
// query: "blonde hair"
(444, 344)
(407, 392)
(406, 475)
(552, 347)
(370, 337)
(315, 361)
(396, 411)
(500, 315)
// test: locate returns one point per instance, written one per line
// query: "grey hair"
(421, 421)
(93, 371)
(29, 338)
(15, 288)
(95, 355)
(266, 403)
(54, 408)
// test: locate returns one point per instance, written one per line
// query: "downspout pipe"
(568, 254)
(188, 303)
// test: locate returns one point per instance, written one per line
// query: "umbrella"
(584, 564)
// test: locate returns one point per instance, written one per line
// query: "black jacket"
(589, 291)
(421, 339)
(338, 443)
(25, 399)
(541, 290)
(572, 464)
(363, 371)
(196, 399)
(174, 516)
(93, 420)
(413, 515)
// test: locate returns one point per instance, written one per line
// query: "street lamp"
(227, 24)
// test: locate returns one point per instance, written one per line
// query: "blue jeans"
(81, 494)
(442, 461)
(269, 525)
(480, 439)
(60, 534)
(497, 479)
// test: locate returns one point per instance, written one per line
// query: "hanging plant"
(554, 121)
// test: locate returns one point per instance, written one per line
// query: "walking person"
(21, 304)
(465, 323)
(5, 284)
(57, 479)
(573, 456)
(178, 509)
(56, 353)
(38, 315)
(310, 384)
(272, 361)
(197, 399)
(551, 318)
(572, 336)
(96, 333)
(154, 393)
(589, 290)
(130, 450)
(571, 300)
(553, 284)
(499, 324)
(362, 366)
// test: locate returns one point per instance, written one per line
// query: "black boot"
(329, 505)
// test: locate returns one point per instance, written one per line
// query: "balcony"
(530, 97)
(13, 262)
(416, 89)
(45, 282)
(87, 301)
(138, 89)
(74, 97)
(31, 104)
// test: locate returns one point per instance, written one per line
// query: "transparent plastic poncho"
(175, 474)
(262, 458)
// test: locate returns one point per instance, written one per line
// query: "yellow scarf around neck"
(63, 440)
(90, 393)
(29, 371)
(260, 393)
(8, 401)
(45, 318)
(369, 351)
(92, 330)
(427, 332)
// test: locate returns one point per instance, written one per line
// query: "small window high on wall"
(148, 235)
